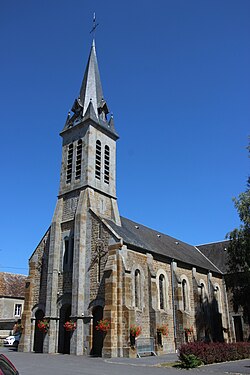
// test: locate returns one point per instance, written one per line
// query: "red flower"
(163, 329)
(135, 330)
(43, 325)
(188, 330)
(103, 325)
(70, 325)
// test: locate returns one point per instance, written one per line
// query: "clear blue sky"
(176, 76)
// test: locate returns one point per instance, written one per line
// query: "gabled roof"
(217, 253)
(146, 239)
(12, 285)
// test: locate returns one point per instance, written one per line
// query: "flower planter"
(70, 326)
(103, 325)
(43, 325)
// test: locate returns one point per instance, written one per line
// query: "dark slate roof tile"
(217, 253)
(142, 237)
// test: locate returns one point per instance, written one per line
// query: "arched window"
(98, 153)
(106, 164)
(184, 294)
(78, 159)
(162, 291)
(217, 296)
(202, 293)
(69, 163)
(137, 289)
(66, 254)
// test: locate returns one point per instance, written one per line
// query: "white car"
(12, 340)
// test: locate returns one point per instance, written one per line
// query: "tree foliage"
(238, 278)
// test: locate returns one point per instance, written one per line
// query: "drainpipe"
(173, 267)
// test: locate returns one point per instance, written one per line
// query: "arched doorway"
(98, 336)
(38, 335)
(64, 336)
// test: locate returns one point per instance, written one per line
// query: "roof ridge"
(211, 243)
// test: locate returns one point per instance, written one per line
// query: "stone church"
(92, 264)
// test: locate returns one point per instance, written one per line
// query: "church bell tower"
(87, 188)
(89, 145)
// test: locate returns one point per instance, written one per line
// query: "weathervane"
(94, 26)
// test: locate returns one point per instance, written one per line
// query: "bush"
(190, 361)
(216, 352)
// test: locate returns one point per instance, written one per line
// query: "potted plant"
(135, 331)
(103, 325)
(43, 325)
(189, 330)
(70, 326)
(163, 329)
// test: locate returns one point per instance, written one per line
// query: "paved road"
(58, 364)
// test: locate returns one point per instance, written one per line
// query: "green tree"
(238, 278)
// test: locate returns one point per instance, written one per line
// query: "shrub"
(190, 361)
(216, 352)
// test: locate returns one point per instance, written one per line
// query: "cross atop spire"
(94, 26)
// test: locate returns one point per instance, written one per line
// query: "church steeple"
(91, 103)
(89, 145)
(91, 89)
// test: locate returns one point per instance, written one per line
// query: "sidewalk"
(144, 361)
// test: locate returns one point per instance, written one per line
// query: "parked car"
(12, 341)
(7, 367)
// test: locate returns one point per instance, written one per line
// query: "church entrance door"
(39, 335)
(98, 336)
(64, 336)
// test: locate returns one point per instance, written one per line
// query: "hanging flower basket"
(70, 326)
(103, 325)
(135, 330)
(43, 325)
(163, 329)
(189, 330)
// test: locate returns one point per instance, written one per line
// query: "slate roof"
(217, 253)
(12, 285)
(139, 236)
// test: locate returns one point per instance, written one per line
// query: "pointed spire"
(90, 104)
(91, 88)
